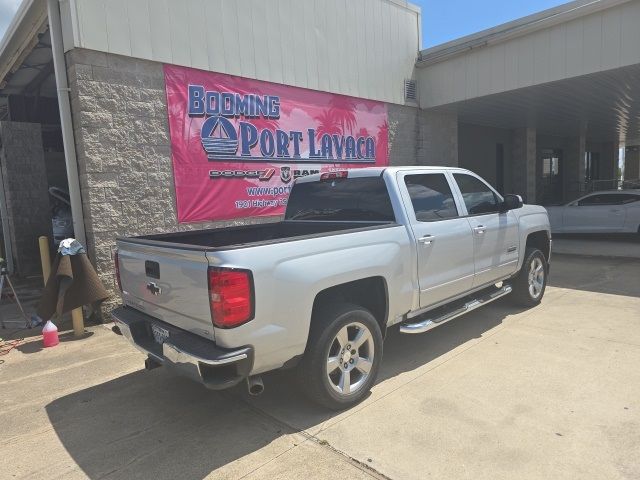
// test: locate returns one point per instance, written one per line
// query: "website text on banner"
(238, 143)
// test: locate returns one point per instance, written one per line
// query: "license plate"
(159, 334)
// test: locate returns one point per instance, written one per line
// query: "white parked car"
(599, 212)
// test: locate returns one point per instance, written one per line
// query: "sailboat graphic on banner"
(219, 137)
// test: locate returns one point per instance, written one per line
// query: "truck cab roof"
(377, 171)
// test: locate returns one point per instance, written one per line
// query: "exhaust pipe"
(255, 385)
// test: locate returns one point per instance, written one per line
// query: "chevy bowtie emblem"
(154, 288)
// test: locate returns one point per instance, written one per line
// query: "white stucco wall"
(363, 48)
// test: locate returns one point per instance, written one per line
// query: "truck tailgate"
(167, 283)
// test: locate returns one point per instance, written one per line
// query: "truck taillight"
(230, 296)
(116, 262)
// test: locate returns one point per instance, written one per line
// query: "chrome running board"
(429, 323)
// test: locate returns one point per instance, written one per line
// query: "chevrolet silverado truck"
(357, 252)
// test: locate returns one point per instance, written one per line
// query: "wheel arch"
(540, 240)
(370, 292)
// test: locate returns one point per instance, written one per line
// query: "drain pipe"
(4, 218)
(60, 70)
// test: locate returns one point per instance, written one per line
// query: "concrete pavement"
(551, 392)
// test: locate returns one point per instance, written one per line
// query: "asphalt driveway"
(552, 392)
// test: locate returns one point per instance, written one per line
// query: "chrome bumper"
(191, 355)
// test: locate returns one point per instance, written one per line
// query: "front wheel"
(530, 283)
(343, 355)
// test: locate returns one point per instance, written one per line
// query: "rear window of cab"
(341, 199)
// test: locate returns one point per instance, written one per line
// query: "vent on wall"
(410, 94)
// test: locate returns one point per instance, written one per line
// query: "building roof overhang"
(26, 66)
(516, 28)
(21, 36)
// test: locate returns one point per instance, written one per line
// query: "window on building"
(431, 197)
(550, 167)
(478, 197)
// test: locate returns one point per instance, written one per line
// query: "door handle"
(426, 240)
(479, 230)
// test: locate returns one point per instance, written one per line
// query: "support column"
(609, 165)
(632, 163)
(524, 163)
(574, 169)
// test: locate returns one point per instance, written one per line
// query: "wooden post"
(45, 258)
(78, 322)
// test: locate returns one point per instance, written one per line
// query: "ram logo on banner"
(238, 143)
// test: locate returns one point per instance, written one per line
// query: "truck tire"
(531, 281)
(343, 356)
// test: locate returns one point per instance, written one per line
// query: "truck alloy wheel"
(342, 357)
(536, 277)
(350, 358)
(531, 281)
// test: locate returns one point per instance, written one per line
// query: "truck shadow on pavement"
(153, 425)
(156, 425)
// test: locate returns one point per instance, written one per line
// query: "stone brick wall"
(417, 137)
(124, 159)
(24, 179)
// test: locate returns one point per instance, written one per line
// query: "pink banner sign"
(237, 144)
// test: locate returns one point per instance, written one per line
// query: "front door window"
(444, 241)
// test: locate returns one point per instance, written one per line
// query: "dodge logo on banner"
(237, 143)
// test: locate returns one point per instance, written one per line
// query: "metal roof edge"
(413, 7)
(28, 21)
(516, 28)
(405, 4)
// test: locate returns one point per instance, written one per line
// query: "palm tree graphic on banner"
(345, 113)
(328, 123)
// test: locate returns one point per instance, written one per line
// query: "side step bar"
(429, 323)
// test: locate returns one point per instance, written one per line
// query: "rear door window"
(341, 199)
(593, 200)
(609, 199)
(477, 196)
(431, 197)
(628, 198)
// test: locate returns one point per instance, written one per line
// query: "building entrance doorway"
(551, 176)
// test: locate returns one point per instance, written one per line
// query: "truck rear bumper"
(189, 354)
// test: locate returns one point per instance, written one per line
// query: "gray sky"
(7, 9)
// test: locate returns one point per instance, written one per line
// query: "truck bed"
(252, 235)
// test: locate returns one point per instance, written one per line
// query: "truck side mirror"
(511, 202)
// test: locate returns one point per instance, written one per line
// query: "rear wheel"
(530, 283)
(343, 355)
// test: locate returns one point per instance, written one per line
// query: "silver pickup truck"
(358, 251)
